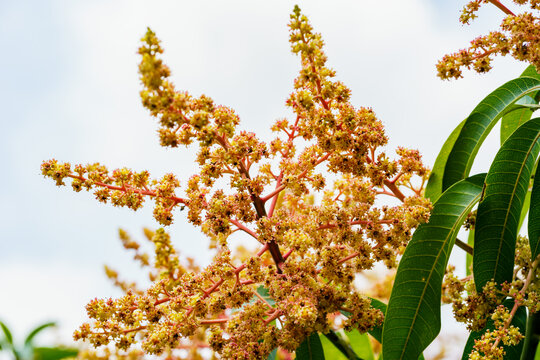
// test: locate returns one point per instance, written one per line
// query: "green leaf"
(7, 334)
(376, 332)
(518, 116)
(524, 209)
(497, 221)
(54, 353)
(265, 294)
(532, 335)
(272, 355)
(310, 349)
(413, 317)
(36, 331)
(534, 216)
(530, 71)
(337, 348)
(479, 124)
(512, 352)
(434, 186)
(360, 344)
(468, 258)
(330, 351)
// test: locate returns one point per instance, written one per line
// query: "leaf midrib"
(454, 227)
(533, 144)
(500, 114)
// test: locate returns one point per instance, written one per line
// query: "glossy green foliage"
(478, 125)
(434, 186)
(310, 349)
(338, 346)
(522, 110)
(534, 216)
(272, 355)
(376, 332)
(530, 344)
(517, 116)
(519, 321)
(499, 210)
(468, 257)
(360, 344)
(413, 316)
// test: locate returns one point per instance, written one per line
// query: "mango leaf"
(468, 257)
(272, 355)
(54, 353)
(7, 334)
(310, 349)
(497, 221)
(479, 124)
(330, 351)
(512, 352)
(534, 216)
(360, 344)
(36, 331)
(376, 332)
(532, 336)
(413, 316)
(265, 294)
(336, 347)
(434, 187)
(530, 71)
(517, 117)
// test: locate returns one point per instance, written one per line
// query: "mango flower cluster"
(478, 309)
(313, 237)
(518, 36)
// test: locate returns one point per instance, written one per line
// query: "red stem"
(244, 228)
(395, 190)
(501, 7)
(124, 189)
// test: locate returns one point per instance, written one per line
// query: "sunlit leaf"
(338, 347)
(479, 124)
(360, 344)
(54, 353)
(7, 334)
(518, 116)
(413, 316)
(272, 355)
(36, 331)
(434, 186)
(499, 211)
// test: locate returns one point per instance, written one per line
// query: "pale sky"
(69, 90)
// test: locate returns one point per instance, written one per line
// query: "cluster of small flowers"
(519, 36)
(313, 238)
(475, 309)
(122, 188)
(486, 347)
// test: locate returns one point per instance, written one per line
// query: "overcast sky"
(69, 90)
